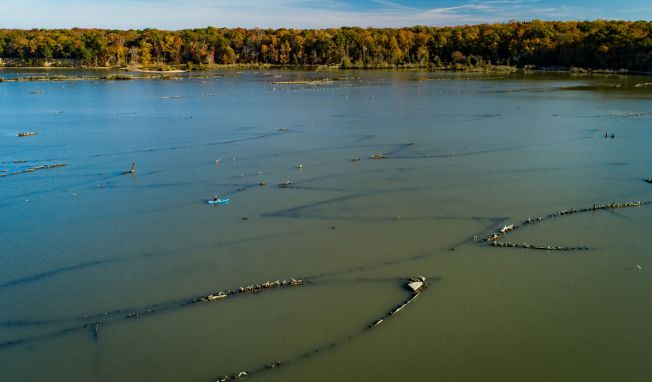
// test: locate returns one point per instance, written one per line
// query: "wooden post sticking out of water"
(132, 171)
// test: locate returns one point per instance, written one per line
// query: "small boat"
(27, 134)
(219, 201)
(377, 156)
(648, 180)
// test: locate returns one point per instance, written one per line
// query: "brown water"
(465, 155)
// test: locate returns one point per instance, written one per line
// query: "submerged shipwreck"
(415, 285)
(494, 239)
(35, 168)
(27, 134)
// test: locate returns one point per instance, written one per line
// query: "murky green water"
(465, 155)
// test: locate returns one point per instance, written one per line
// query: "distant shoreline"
(169, 74)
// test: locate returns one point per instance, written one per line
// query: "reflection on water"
(463, 155)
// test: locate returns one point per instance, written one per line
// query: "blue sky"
(178, 14)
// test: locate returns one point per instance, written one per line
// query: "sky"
(180, 14)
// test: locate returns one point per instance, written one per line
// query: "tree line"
(588, 44)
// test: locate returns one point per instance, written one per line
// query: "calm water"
(466, 154)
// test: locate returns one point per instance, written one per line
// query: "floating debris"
(131, 171)
(286, 184)
(27, 134)
(377, 156)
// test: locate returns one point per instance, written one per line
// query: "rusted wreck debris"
(416, 285)
(286, 184)
(231, 293)
(97, 320)
(36, 168)
(233, 377)
(494, 238)
(27, 134)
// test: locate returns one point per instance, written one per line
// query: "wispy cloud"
(512, 2)
(393, 5)
(168, 14)
(460, 9)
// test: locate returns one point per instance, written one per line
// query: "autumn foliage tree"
(589, 44)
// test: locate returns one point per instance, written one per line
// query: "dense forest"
(588, 44)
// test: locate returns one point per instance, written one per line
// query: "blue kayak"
(219, 201)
